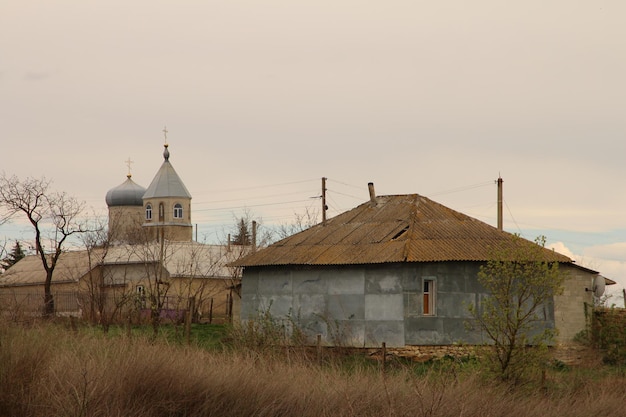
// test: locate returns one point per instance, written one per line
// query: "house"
(149, 261)
(399, 269)
(119, 279)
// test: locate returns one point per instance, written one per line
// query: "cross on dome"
(128, 163)
(166, 153)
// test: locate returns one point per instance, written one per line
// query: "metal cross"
(165, 133)
(128, 163)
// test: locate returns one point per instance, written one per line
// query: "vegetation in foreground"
(50, 370)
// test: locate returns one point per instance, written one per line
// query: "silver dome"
(129, 193)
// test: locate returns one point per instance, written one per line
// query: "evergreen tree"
(16, 254)
(242, 237)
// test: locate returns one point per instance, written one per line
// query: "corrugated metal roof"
(29, 270)
(181, 259)
(397, 228)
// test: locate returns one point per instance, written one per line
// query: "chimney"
(370, 186)
(500, 202)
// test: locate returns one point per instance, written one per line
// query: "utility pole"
(253, 236)
(499, 182)
(324, 206)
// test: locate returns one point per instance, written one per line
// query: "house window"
(428, 304)
(161, 212)
(149, 212)
(178, 211)
(140, 291)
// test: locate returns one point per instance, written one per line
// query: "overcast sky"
(263, 98)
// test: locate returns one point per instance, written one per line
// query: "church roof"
(180, 259)
(128, 193)
(166, 182)
(29, 270)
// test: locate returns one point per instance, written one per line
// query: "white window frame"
(148, 211)
(178, 211)
(429, 297)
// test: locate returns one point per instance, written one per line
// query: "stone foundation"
(572, 354)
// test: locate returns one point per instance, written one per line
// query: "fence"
(74, 303)
(608, 332)
(32, 303)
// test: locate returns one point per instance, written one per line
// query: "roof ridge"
(412, 226)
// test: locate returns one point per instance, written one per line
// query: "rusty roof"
(396, 228)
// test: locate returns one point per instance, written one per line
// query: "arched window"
(149, 212)
(178, 211)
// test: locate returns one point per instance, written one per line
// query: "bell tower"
(167, 204)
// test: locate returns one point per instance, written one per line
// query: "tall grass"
(48, 371)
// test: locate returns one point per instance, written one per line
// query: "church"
(149, 265)
(162, 211)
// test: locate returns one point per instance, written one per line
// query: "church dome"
(128, 193)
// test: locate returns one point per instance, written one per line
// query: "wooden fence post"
(128, 325)
(191, 306)
(384, 364)
(319, 349)
(230, 308)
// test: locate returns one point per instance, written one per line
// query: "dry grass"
(48, 371)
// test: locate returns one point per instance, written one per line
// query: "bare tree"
(105, 291)
(53, 215)
(202, 275)
(153, 256)
(301, 222)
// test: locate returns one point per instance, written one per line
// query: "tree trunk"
(48, 310)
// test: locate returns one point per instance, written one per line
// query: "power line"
(464, 188)
(252, 205)
(264, 197)
(347, 185)
(513, 218)
(256, 187)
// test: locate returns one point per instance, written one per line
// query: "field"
(54, 370)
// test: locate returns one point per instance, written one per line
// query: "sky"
(262, 99)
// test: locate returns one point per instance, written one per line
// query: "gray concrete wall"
(348, 306)
(457, 288)
(363, 306)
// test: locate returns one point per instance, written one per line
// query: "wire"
(513, 218)
(347, 195)
(464, 188)
(261, 186)
(252, 205)
(347, 185)
(249, 198)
